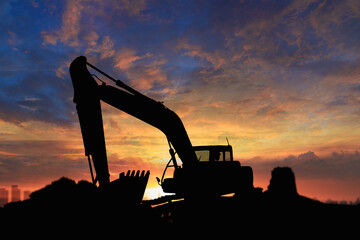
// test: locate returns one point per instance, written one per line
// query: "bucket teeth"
(132, 184)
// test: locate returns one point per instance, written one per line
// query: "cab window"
(227, 156)
(221, 156)
(203, 155)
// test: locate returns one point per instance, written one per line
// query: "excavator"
(203, 171)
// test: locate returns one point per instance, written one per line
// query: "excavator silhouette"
(206, 171)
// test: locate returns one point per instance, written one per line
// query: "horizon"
(153, 190)
(279, 79)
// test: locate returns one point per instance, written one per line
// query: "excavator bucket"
(129, 188)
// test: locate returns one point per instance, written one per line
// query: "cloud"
(334, 175)
(75, 29)
(331, 21)
(38, 96)
(343, 165)
(51, 147)
(70, 28)
(288, 34)
(45, 160)
(40, 161)
(149, 75)
(126, 57)
(62, 70)
(105, 49)
(14, 41)
(274, 42)
(118, 165)
(196, 51)
(77, 33)
(133, 7)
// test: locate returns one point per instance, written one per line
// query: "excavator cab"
(214, 153)
(215, 174)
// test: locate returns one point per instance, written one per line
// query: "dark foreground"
(66, 208)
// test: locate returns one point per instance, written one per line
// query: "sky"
(279, 79)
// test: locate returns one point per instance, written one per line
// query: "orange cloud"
(14, 41)
(144, 77)
(196, 51)
(126, 57)
(105, 48)
(69, 31)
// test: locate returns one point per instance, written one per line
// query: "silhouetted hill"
(65, 206)
(74, 207)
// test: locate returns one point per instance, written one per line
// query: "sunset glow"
(279, 79)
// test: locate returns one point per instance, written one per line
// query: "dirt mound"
(282, 182)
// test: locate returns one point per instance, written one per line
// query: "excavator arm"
(87, 96)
